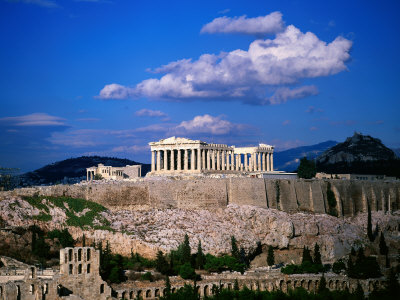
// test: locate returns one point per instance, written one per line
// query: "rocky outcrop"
(147, 231)
(356, 148)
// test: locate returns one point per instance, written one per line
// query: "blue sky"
(108, 77)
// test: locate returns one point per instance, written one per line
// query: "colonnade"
(210, 159)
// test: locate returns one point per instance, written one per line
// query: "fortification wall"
(210, 193)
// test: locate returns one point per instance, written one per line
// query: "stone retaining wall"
(352, 196)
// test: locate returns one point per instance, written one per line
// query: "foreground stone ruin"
(78, 278)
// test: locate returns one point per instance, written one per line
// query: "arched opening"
(70, 269)
(303, 284)
(330, 285)
(148, 293)
(344, 285)
(88, 254)
(229, 286)
(289, 285)
(131, 295)
(173, 290)
(33, 275)
(123, 295)
(157, 293)
(206, 291)
(80, 269)
(102, 288)
(139, 294)
(79, 254)
(88, 269)
(18, 292)
(70, 254)
(32, 289)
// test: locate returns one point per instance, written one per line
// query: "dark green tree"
(353, 251)
(200, 257)
(243, 257)
(392, 285)
(383, 248)
(167, 291)
(350, 267)
(369, 225)
(186, 250)
(236, 285)
(187, 272)
(359, 292)
(234, 248)
(306, 169)
(317, 255)
(322, 285)
(162, 265)
(270, 256)
(306, 256)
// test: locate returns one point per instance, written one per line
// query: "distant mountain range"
(74, 169)
(289, 160)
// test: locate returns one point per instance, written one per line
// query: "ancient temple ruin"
(177, 155)
(114, 173)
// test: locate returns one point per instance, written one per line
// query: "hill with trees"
(359, 154)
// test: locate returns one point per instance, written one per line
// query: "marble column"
(173, 160)
(218, 159)
(208, 160)
(158, 163)
(153, 164)
(223, 152)
(165, 160)
(186, 160)
(259, 160)
(192, 159)
(212, 159)
(263, 161)
(238, 162)
(272, 161)
(246, 166)
(203, 159)
(198, 159)
(179, 160)
(268, 166)
(232, 160)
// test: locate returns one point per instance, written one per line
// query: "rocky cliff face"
(357, 148)
(147, 231)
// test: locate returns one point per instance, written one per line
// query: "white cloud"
(116, 91)
(289, 58)
(150, 113)
(284, 94)
(35, 119)
(207, 124)
(268, 24)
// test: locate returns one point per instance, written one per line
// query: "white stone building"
(115, 173)
(180, 156)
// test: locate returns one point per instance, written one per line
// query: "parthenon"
(182, 155)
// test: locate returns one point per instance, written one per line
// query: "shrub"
(187, 272)
(147, 276)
